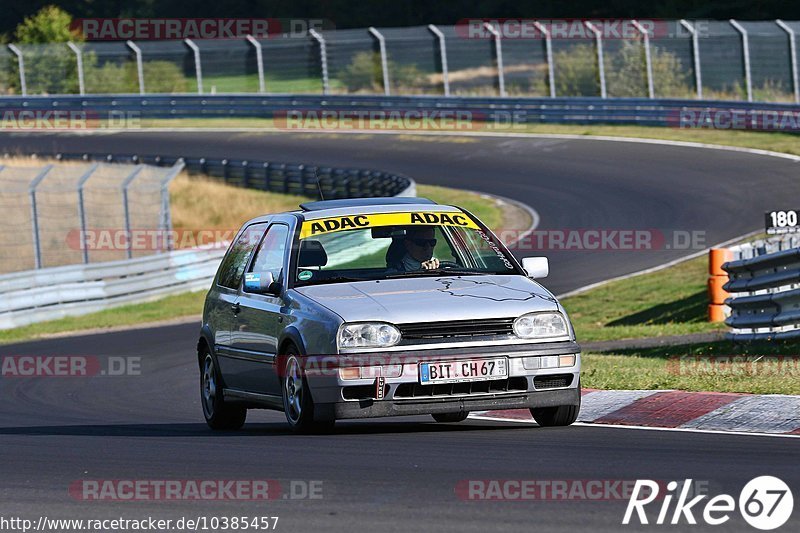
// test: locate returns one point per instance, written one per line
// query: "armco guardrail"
(765, 285)
(51, 293)
(288, 178)
(471, 113)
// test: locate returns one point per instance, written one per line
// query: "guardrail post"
(442, 56)
(323, 59)
(82, 210)
(384, 60)
(698, 78)
(793, 56)
(746, 53)
(260, 60)
(79, 59)
(600, 62)
(37, 248)
(165, 215)
(21, 62)
(647, 58)
(498, 50)
(125, 185)
(197, 67)
(139, 64)
(548, 47)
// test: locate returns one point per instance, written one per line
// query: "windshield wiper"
(335, 279)
(437, 272)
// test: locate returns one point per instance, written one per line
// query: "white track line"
(647, 428)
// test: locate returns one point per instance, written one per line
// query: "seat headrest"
(312, 254)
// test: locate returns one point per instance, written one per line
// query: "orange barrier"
(716, 279)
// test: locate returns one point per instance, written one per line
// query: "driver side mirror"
(536, 267)
(261, 283)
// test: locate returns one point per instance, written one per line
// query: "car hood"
(433, 299)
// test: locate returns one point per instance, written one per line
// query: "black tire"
(298, 405)
(450, 417)
(218, 414)
(563, 415)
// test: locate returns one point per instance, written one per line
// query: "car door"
(259, 321)
(223, 301)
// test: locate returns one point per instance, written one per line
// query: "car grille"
(552, 382)
(362, 392)
(415, 390)
(457, 328)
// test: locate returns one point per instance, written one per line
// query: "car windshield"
(366, 247)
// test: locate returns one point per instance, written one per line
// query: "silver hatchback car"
(380, 307)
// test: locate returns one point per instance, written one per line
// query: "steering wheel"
(449, 264)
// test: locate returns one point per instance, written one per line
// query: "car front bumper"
(524, 388)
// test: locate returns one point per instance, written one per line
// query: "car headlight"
(540, 326)
(368, 335)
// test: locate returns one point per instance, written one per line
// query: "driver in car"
(419, 244)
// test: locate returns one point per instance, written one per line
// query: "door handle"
(236, 308)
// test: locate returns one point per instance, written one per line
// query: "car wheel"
(451, 417)
(563, 415)
(297, 403)
(219, 415)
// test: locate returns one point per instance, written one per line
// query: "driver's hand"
(431, 264)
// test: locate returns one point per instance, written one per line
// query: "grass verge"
(672, 301)
(724, 366)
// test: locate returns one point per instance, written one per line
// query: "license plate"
(460, 371)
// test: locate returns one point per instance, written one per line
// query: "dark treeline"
(387, 13)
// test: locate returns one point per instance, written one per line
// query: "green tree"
(50, 66)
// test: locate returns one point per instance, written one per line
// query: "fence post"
(21, 62)
(442, 56)
(698, 78)
(125, 184)
(79, 59)
(165, 215)
(793, 56)
(260, 60)
(498, 49)
(139, 64)
(648, 60)
(37, 248)
(197, 67)
(323, 59)
(600, 62)
(746, 53)
(548, 46)
(82, 210)
(384, 60)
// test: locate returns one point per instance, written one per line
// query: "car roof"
(360, 206)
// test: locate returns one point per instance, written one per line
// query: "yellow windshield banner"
(321, 226)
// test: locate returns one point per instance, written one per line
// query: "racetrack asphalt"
(399, 474)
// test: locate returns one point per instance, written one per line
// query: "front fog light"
(540, 326)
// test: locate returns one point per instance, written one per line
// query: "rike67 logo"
(765, 503)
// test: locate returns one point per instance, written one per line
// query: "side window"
(269, 257)
(232, 267)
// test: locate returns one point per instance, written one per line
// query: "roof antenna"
(319, 185)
